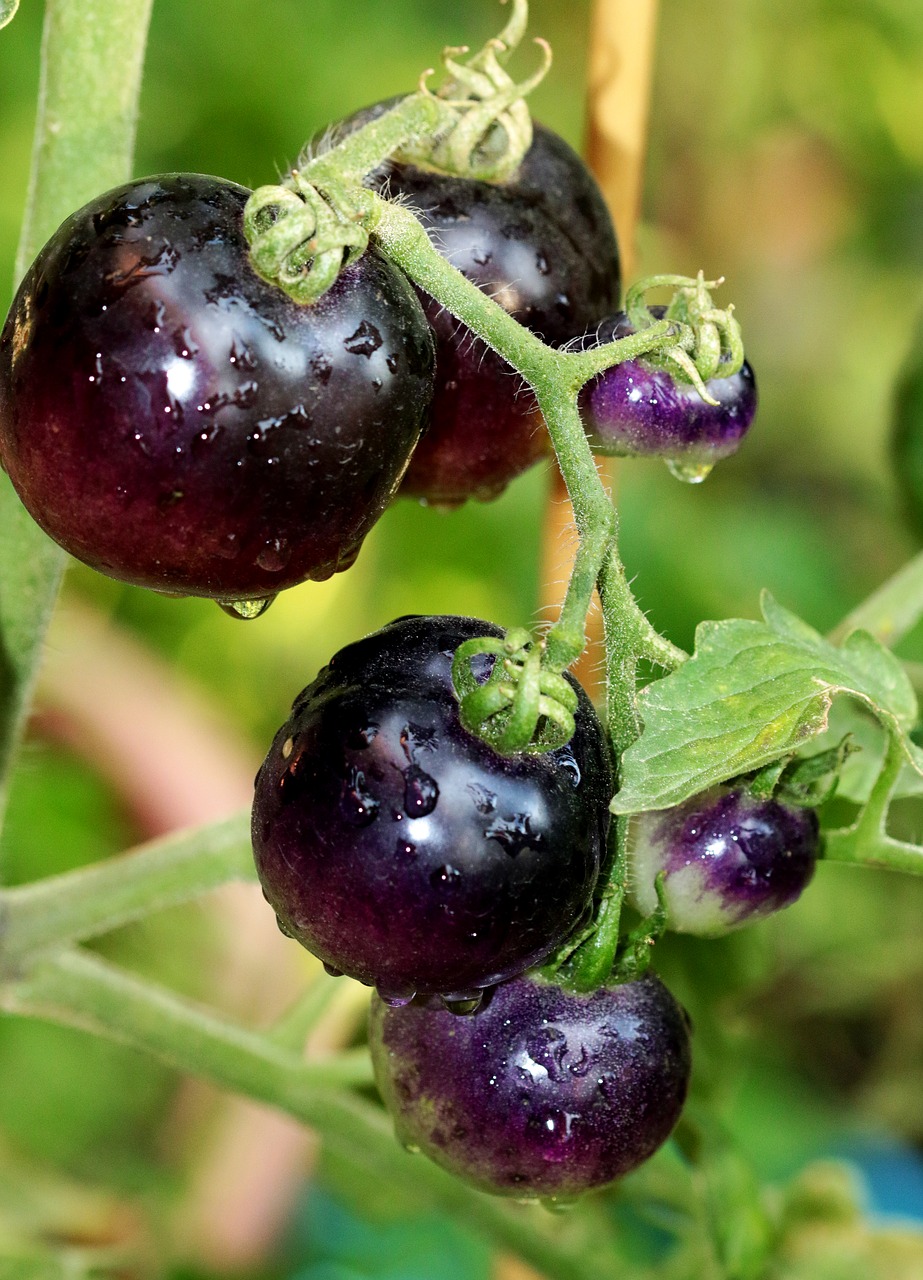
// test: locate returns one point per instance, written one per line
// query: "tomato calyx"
(523, 705)
(709, 346)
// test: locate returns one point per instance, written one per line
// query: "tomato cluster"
(177, 422)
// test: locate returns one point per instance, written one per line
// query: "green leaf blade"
(751, 693)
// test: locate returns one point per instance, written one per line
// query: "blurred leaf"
(8, 11)
(751, 693)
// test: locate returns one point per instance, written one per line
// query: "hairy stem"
(92, 900)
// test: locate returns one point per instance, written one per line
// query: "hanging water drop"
(245, 609)
(688, 472)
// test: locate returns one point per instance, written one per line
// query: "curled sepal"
(711, 345)
(493, 128)
(520, 706)
(300, 239)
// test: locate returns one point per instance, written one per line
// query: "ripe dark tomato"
(404, 851)
(178, 423)
(543, 246)
(729, 858)
(636, 408)
(541, 1092)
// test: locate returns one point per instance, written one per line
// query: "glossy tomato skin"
(638, 409)
(543, 246)
(178, 423)
(404, 851)
(728, 858)
(542, 1092)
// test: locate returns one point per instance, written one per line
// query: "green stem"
(891, 610)
(92, 55)
(867, 842)
(416, 117)
(92, 51)
(81, 990)
(92, 900)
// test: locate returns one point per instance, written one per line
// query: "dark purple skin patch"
(638, 409)
(729, 859)
(176, 422)
(404, 851)
(542, 1092)
(543, 246)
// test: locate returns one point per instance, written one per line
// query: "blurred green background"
(786, 152)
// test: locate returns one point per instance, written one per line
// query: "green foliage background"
(786, 153)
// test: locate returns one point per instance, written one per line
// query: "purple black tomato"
(640, 409)
(404, 851)
(542, 245)
(542, 1092)
(728, 859)
(176, 422)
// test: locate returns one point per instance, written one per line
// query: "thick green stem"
(891, 610)
(77, 989)
(91, 901)
(92, 52)
(414, 118)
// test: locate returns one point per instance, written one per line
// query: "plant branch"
(92, 900)
(92, 53)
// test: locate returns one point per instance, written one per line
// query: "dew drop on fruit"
(411, 1148)
(444, 875)
(395, 999)
(283, 928)
(420, 792)
(332, 970)
(274, 556)
(357, 805)
(463, 1006)
(245, 609)
(688, 472)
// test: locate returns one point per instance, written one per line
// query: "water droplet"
(357, 805)
(412, 1148)
(405, 849)
(228, 547)
(463, 1006)
(364, 342)
(393, 362)
(514, 834)
(420, 792)
(245, 609)
(332, 970)
(274, 556)
(688, 472)
(542, 264)
(444, 875)
(287, 747)
(283, 928)
(395, 999)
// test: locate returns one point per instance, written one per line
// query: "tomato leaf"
(752, 692)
